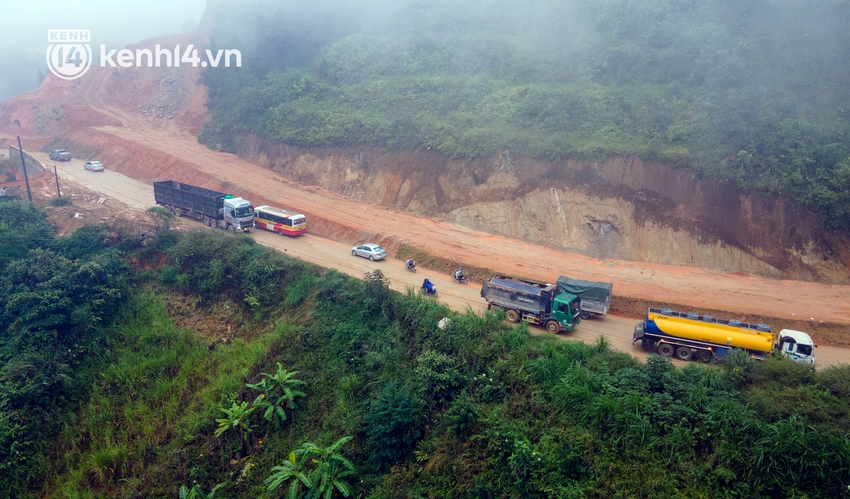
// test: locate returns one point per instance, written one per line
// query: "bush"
(393, 425)
(60, 201)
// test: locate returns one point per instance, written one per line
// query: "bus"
(280, 221)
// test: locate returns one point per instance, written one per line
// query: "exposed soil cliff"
(622, 208)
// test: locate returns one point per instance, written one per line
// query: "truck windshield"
(575, 307)
(244, 212)
(804, 349)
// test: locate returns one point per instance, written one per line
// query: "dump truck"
(533, 302)
(688, 335)
(215, 209)
(595, 296)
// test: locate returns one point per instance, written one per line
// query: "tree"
(160, 218)
(278, 394)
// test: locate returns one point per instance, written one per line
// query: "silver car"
(94, 166)
(371, 251)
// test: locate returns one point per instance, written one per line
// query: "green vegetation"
(749, 93)
(160, 378)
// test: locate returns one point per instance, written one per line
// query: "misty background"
(115, 23)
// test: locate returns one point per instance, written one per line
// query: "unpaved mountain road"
(331, 254)
(738, 293)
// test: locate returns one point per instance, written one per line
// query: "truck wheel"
(553, 327)
(702, 356)
(177, 212)
(665, 350)
(683, 353)
(585, 315)
(512, 316)
(207, 221)
(231, 229)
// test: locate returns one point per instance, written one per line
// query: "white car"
(94, 166)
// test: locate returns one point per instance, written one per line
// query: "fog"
(115, 23)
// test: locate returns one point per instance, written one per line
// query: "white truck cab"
(797, 345)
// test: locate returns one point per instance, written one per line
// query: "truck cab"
(238, 214)
(566, 309)
(796, 345)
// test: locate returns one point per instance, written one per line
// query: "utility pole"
(24, 165)
(56, 172)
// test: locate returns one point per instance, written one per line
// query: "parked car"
(60, 155)
(94, 166)
(371, 251)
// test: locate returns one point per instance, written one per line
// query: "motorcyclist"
(428, 286)
(410, 263)
(459, 274)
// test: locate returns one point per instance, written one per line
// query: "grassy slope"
(479, 409)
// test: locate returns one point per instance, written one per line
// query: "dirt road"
(737, 293)
(332, 254)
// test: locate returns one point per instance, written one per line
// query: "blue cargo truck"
(533, 302)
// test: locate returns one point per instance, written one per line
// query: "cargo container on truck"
(595, 296)
(703, 337)
(533, 302)
(215, 209)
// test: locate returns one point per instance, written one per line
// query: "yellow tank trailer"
(703, 337)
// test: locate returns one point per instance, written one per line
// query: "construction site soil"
(659, 235)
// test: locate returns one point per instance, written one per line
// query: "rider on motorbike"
(410, 264)
(459, 274)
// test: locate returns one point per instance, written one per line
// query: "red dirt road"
(740, 294)
(138, 196)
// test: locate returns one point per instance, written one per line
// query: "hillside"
(744, 93)
(131, 369)
(745, 100)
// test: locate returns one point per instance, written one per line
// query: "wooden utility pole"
(56, 172)
(24, 165)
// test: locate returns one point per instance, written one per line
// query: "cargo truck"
(595, 296)
(533, 302)
(703, 337)
(215, 209)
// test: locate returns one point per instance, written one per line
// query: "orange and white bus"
(280, 221)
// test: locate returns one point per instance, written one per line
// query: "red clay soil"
(105, 109)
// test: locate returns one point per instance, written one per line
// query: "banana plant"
(279, 393)
(237, 417)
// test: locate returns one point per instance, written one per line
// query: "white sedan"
(93, 166)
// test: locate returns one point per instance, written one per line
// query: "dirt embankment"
(622, 208)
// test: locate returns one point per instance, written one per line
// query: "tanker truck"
(215, 209)
(533, 302)
(703, 337)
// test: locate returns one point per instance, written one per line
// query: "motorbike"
(463, 279)
(410, 267)
(428, 288)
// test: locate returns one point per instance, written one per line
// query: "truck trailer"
(215, 209)
(595, 296)
(703, 337)
(533, 302)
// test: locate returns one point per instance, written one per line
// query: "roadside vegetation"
(751, 93)
(309, 383)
